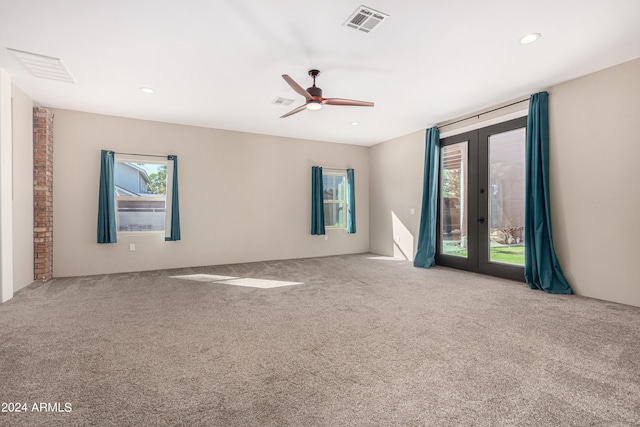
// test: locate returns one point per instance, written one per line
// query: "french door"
(481, 200)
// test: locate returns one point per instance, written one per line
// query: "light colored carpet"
(363, 341)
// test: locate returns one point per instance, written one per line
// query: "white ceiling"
(218, 63)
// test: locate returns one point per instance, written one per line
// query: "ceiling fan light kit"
(314, 105)
(314, 98)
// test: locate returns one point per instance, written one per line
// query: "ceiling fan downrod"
(313, 74)
(314, 91)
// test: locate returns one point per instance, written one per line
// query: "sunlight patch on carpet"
(204, 277)
(236, 281)
(259, 283)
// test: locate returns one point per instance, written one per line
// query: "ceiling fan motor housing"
(315, 91)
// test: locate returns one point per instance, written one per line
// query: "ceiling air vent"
(365, 19)
(282, 101)
(44, 67)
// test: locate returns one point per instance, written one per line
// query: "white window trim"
(345, 201)
(123, 158)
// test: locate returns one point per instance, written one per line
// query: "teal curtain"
(426, 252)
(317, 201)
(351, 202)
(106, 200)
(541, 268)
(175, 205)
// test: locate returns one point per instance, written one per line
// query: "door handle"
(481, 220)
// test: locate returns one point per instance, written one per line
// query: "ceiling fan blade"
(297, 110)
(340, 101)
(295, 86)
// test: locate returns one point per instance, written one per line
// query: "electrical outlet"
(412, 211)
(132, 247)
(326, 237)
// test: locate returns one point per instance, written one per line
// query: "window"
(334, 186)
(141, 195)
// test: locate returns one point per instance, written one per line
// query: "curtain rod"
(334, 169)
(142, 155)
(482, 114)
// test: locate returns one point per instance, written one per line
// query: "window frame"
(138, 160)
(344, 201)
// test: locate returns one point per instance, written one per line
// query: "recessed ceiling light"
(354, 123)
(147, 90)
(530, 38)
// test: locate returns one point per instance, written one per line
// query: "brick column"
(43, 193)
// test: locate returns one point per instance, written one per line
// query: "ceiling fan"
(314, 98)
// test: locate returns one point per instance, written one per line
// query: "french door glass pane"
(453, 199)
(507, 196)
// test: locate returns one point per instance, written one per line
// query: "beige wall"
(595, 190)
(396, 188)
(22, 122)
(243, 197)
(595, 196)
